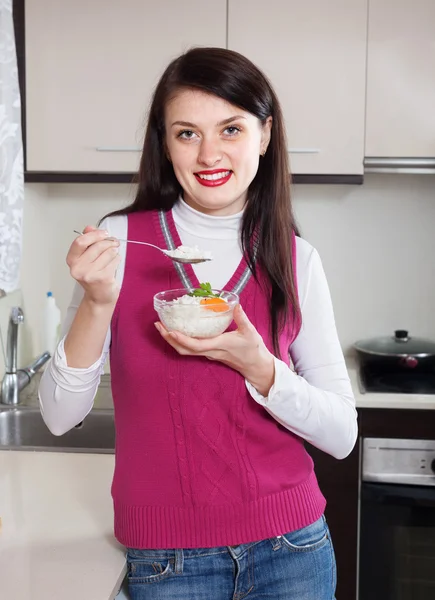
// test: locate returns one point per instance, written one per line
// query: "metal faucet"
(15, 379)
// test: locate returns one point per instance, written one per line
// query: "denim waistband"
(186, 553)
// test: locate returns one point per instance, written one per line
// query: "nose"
(210, 153)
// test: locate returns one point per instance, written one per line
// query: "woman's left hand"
(243, 350)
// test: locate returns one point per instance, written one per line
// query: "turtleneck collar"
(206, 226)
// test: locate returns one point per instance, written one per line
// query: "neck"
(205, 225)
(235, 208)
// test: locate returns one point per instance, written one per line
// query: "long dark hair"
(268, 216)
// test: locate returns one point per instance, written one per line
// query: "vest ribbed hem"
(223, 525)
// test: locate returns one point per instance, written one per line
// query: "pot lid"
(398, 344)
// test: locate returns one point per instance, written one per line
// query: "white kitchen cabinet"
(314, 53)
(123, 592)
(401, 79)
(91, 67)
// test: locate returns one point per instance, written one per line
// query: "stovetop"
(388, 381)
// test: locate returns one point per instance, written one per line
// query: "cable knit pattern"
(198, 462)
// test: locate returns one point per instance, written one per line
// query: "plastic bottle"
(51, 324)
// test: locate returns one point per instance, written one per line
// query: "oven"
(397, 520)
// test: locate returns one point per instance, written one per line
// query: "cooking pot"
(399, 350)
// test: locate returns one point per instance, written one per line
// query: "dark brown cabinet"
(339, 482)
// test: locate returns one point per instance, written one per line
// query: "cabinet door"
(339, 482)
(401, 79)
(314, 52)
(91, 67)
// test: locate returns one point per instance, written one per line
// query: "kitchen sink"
(24, 429)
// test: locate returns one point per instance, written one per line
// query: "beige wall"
(377, 243)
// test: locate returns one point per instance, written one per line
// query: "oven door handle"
(402, 495)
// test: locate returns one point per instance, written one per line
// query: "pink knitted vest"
(198, 462)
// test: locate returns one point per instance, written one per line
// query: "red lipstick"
(225, 175)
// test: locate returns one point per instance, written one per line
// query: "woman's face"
(215, 149)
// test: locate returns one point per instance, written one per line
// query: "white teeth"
(214, 176)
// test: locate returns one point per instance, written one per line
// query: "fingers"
(83, 257)
(86, 270)
(171, 338)
(192, 344)
(92, 253)
(95, 251)
(89, 228)
(104, 268)
(184, 344)
(234, 344)
(244, 325)
(201, 346)
(83, 242)
(105, 258)
(107, 273)
(93, 259)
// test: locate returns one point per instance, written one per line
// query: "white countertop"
(56, 536)
(403, 401)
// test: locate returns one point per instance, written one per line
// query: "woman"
(214, 493)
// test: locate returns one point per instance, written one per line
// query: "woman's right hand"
(93, 260)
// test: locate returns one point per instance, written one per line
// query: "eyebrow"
(224, 122)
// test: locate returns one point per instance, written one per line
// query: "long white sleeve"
(66, 394)
(316, 400)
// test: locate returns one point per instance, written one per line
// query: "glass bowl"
(195, 316)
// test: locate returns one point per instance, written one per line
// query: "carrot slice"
(215, 304)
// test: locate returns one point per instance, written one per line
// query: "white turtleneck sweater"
(315, 401)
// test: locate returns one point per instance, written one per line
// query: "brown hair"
(268, 217)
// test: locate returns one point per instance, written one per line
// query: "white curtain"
(11, 155)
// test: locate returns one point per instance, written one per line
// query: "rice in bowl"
(199, 317)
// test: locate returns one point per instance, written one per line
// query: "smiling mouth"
(213, 178)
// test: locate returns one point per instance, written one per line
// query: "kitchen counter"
(378, 400)
(104, 400)
(56, 536)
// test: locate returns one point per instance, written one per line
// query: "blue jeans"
(299, 565)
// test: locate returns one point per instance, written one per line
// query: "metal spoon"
(192, 261)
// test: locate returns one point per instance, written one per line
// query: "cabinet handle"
(133, 149)
(374, 164)
(304, 150)
(117, 149)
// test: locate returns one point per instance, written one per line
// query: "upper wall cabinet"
(314, 53)
(91, 67)
(400, 120)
